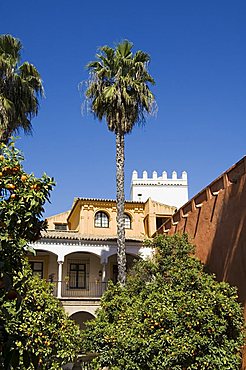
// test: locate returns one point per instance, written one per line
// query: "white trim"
(63, 248)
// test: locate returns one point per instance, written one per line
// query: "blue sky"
(198, 61)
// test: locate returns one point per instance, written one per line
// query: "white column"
(103, 272)
(59, 283)
(104, 261)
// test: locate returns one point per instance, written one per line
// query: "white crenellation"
(154, 175)
(164, 175)
(134, 175)
(184, 175)
(145, 175)
(172, 190)
(174, 175)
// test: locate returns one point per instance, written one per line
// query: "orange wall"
(216, 224)
(215, 221)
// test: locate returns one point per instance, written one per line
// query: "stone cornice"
(75, 236)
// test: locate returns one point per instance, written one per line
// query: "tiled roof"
(73, 235)
(106, 200)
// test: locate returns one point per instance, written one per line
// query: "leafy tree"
(42, 336)
(169, 315)
(22, 197)
(34, 328)
(118, 91)
(20, 86)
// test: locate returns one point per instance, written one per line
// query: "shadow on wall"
(215, 220)
(227, 257)
(81, 318)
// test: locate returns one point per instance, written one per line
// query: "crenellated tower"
(171, 191)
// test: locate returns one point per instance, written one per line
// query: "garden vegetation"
(170, 315)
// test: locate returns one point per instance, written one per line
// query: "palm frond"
(29, 73)
(93, 65)
(20, 86)
(142, 57)
(124, 49)
(10, 48)
(118, 88)
(109, 52)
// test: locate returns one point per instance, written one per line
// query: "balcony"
(92, 290)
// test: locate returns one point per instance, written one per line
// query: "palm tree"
(20, 87)
(118, 91)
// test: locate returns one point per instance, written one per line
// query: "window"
(77, 276)
(128, 223)
(101, 219)
(60, 227)
(160, 221)
(37, 268)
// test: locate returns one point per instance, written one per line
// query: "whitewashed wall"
(170, 191)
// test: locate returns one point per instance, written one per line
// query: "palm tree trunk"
(120, 204)
(4, 124)
(4, 137)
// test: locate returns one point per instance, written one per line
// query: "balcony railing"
(92, 290)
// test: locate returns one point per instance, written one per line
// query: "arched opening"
(101, 219)
(44, 264)
(82, 275)
(127, 221)
(81, 318)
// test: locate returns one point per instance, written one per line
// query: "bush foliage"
(40, 333)
(35, 332)
(170, 315)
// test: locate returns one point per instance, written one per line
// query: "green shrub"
(35, 332)
(170, 315)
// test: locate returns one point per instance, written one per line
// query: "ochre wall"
(85, 211)
(152, 209)
(215, 222)
(81, 217)
(59, 218)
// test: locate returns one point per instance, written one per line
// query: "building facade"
(78, 251)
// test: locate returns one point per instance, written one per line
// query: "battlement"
(163, 178)
(171, 191)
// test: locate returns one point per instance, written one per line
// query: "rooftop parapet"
(227, 179)
(163, 179)
(172, 191)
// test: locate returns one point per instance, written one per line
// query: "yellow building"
(78, 251)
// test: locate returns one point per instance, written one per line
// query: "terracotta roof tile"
(73, 235)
